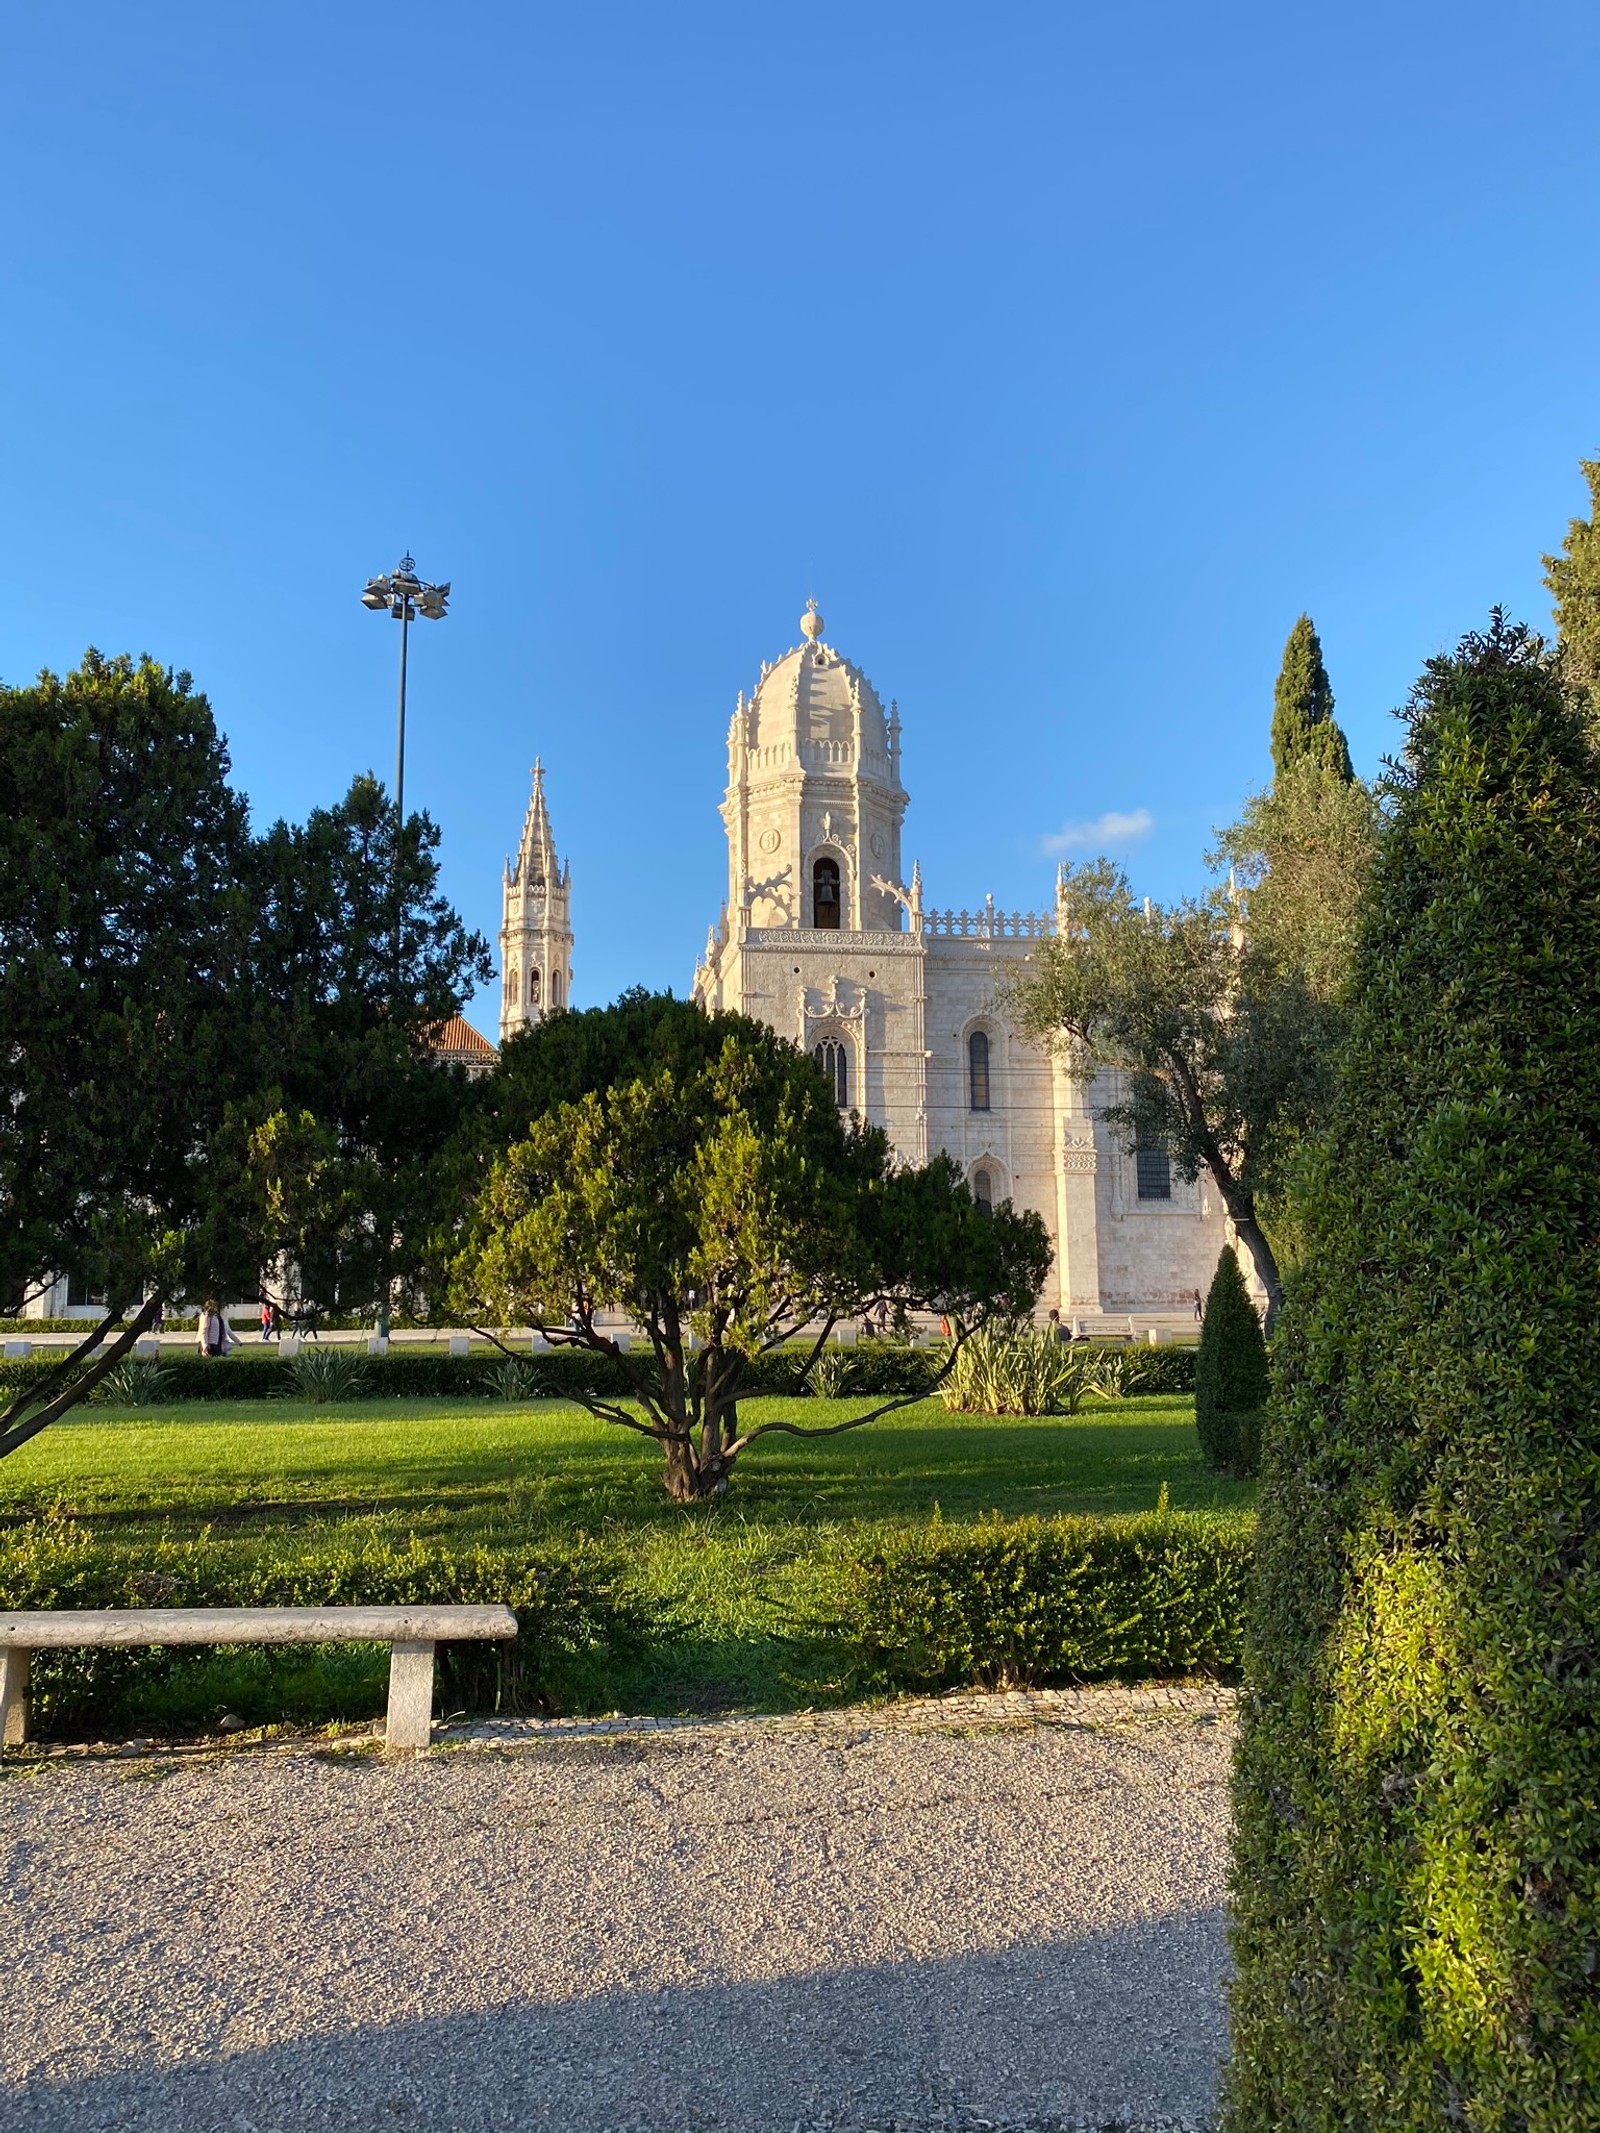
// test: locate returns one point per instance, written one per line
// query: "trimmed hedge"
(1230, 1380)
(878, 1369)
(1416, 1892)
(1047, 1601)
(927, 1608)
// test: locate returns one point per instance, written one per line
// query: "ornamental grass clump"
(1230, 1373)
(999, 1371)
(1417, 1882)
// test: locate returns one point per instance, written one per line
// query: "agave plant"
(137, 1382)
(515, 1381)
(829, 1376)
(1001, 1372)
(327, 1374)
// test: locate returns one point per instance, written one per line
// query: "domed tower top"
(814, 775)
(815, 710)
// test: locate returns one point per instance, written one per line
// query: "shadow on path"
(1119, 2028)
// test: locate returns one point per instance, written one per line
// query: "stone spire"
(536, 923)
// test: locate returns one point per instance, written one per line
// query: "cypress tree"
(1417, 1794)
(1230, 1372)
(1303, 725)
(1573, 578)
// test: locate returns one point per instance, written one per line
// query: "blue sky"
(1064, 353)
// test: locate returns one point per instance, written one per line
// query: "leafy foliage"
(1154, 994)
(214, 1058)
(1573, 578)
(721, 1203)
(1417, 1886)
(1039, 1601)
(1304, 729)
(1230, 1385)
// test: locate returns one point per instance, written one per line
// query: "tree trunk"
(1242, 1214)
(1240, 1204)
(695, 1472)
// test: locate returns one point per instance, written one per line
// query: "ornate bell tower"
(814, 802)
(536, 924)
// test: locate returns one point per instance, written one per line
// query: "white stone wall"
(814, 767)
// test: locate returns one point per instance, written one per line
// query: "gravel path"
(1002, 1912)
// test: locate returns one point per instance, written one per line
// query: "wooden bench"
(410, 1633)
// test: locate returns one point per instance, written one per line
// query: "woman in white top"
(215, 1334)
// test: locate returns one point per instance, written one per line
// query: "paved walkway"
(996, 1912)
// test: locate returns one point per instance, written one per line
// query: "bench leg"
(410, 1695)
(13, 1696)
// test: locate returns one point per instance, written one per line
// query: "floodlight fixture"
(406, 596)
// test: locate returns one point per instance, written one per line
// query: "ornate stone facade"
(536, 923)
(824, 937)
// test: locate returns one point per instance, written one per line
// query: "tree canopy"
(1573, 578)
(711, 1192)
(1221, 1015)
(1304, 728)
(210, 1057)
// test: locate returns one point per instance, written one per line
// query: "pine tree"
(1303, 724)
(1417, 1859)
(1230, 1378)
(1573, 578)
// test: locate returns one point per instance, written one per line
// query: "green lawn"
(488, 1472)
(734, 1584)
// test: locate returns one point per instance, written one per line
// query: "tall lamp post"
(405, 595)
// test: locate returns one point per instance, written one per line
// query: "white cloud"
(1115, 827)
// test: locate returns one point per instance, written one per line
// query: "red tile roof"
(459, 1036)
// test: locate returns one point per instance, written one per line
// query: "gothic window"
(834, 1061)
(978, 1070)
(533, 988)
(513, 987)
(825, 895)
(555, 988)
(983, 1191)
(1152, 1170)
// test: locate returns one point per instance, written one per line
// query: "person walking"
(266, 1320)
(215, 1335)
(1199, 1307)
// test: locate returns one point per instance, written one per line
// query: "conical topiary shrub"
(1230, 1373)
(1417, 1854)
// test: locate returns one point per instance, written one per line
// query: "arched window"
(978, 1070)
(513, 987)
(825, 894)
(1152, 1171)
(533, 988)
(983, 1191)
(555, 988)
(834, 1061)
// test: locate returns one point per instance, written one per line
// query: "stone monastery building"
(824, 938)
